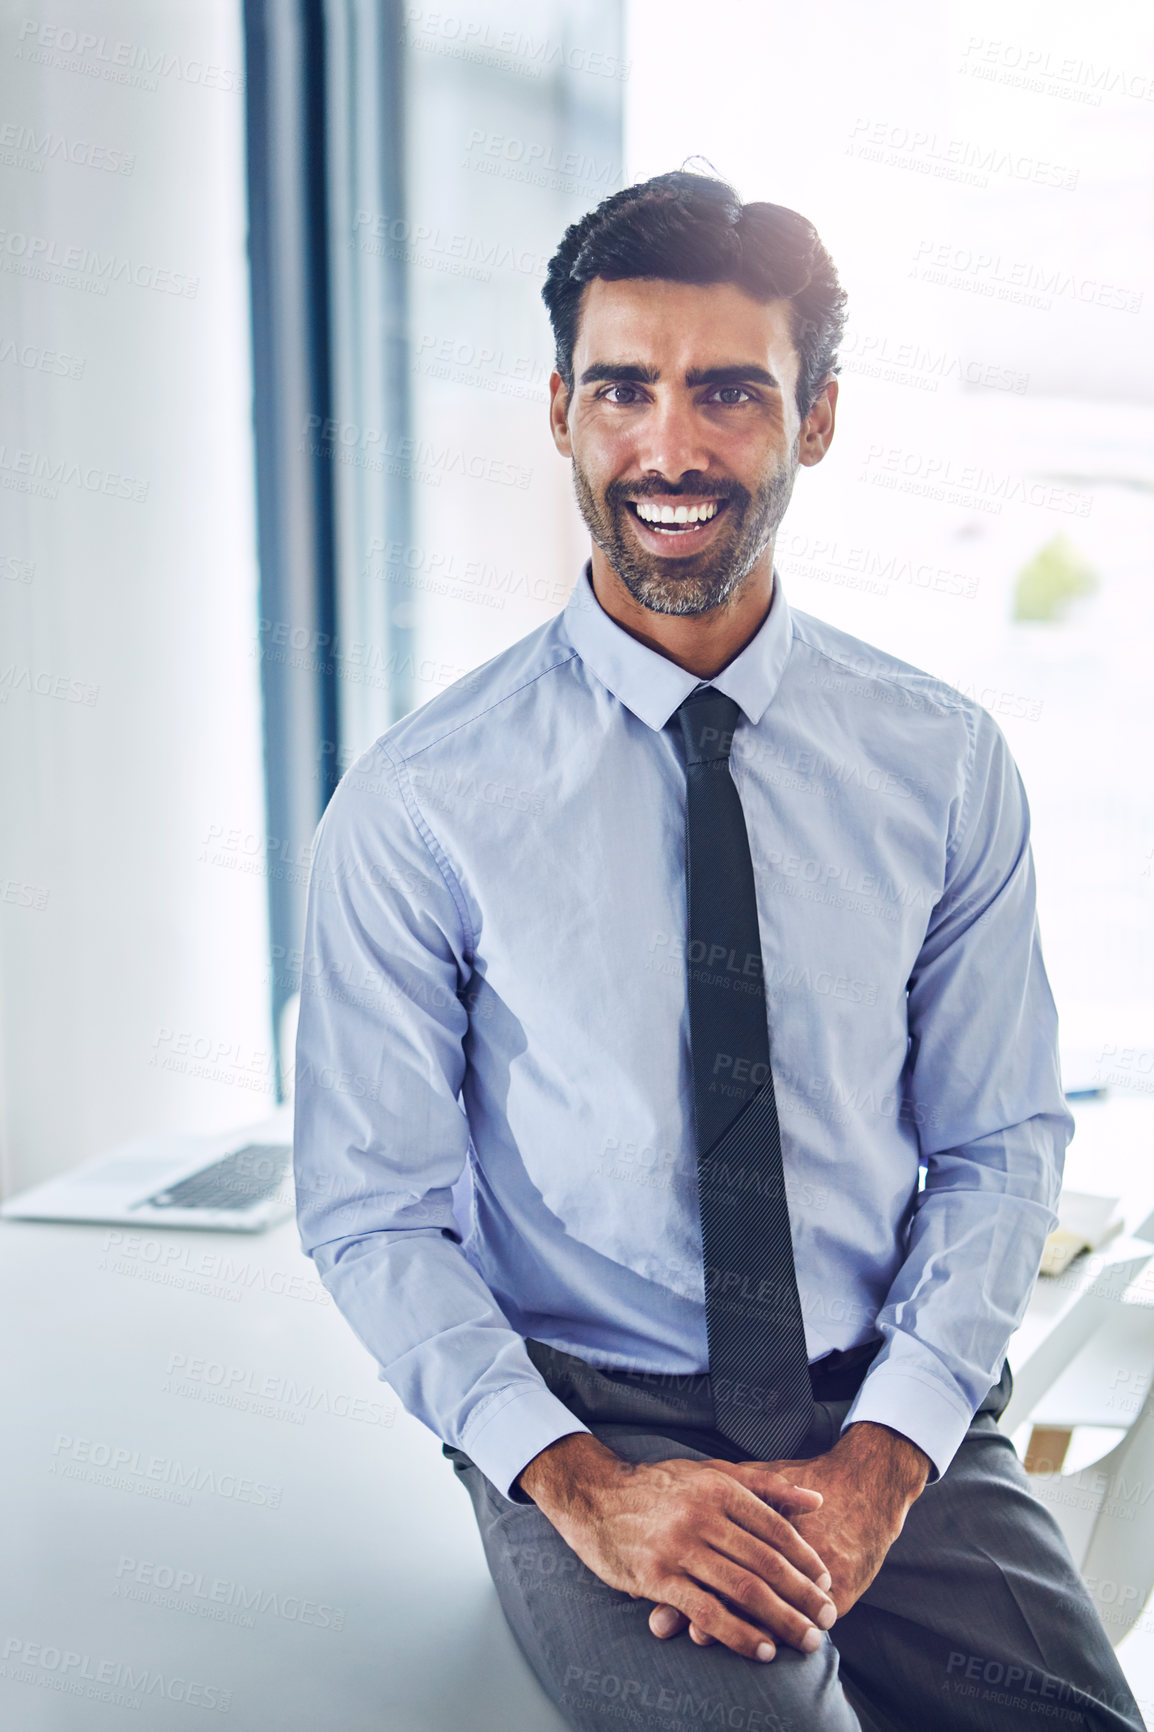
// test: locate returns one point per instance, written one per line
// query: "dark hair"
(690, 228)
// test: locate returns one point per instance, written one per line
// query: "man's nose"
(672, 441)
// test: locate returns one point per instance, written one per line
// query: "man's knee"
(592, 1650)
(679, 1687)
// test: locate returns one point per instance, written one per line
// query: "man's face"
(684, 435)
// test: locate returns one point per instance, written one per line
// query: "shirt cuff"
(915, 1407)
(519, 1429)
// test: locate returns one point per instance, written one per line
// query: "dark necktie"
(757, 1354)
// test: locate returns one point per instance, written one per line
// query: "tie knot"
(708, 719)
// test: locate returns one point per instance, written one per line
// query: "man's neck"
(702, 643)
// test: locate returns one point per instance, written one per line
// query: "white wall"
(132, 946)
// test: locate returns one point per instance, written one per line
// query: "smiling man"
(709, 1123)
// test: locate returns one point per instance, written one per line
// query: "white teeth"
(650, 512)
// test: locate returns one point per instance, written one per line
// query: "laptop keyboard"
(248, 1176)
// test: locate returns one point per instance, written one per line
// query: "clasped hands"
(749, 1554)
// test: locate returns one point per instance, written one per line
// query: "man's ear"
(817, 428)
(559, 414)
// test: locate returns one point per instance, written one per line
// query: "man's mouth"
(663, 517)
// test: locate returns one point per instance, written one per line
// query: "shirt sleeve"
(982, 1085)
(380, 1135)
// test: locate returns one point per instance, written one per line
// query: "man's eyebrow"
(744, 373)
(625, 373)
(634, 373)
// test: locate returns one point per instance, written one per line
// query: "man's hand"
(715, 1542)
(868, 1481)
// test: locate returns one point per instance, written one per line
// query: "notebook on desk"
(1085, 1223)
(233, 1182)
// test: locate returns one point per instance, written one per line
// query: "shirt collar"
(652, 686)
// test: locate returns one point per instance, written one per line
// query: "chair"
(1105, 1509)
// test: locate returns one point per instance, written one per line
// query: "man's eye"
(732, 394)
(609, 394)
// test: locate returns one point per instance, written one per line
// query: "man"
(710, 1363)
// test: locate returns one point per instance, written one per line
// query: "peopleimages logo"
(119, 1682)
(970, 161)
(124, 1468)
(536, 162)
(1028, 67)
(1023, 282)
(270, 1394)
(435, 248)
(936, 475)
(40, 360)
(98, 56)
(43, 476)
(24, 147)
(81, 267)
(219, 1598)
(441, 32)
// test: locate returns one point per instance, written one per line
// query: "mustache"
(619, 493)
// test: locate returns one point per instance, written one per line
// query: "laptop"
(230, 1181)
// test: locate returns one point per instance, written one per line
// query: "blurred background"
(275, 465)
(275, 469)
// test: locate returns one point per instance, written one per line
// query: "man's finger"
(749, 1510)
(776, 1488)
(750, 1598)
(768, 1564)
(711, 1620)
(666, 1621)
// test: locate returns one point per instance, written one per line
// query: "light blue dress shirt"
(493, 1092)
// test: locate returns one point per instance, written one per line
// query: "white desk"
(306, 1493)
(350, 1586)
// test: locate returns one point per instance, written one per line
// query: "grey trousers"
(976, 1622)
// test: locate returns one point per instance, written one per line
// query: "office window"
(987, 508)
(410, 172)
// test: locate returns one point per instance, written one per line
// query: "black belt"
(664, 1399)
(839, 1375)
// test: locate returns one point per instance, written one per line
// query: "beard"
(696, 582)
